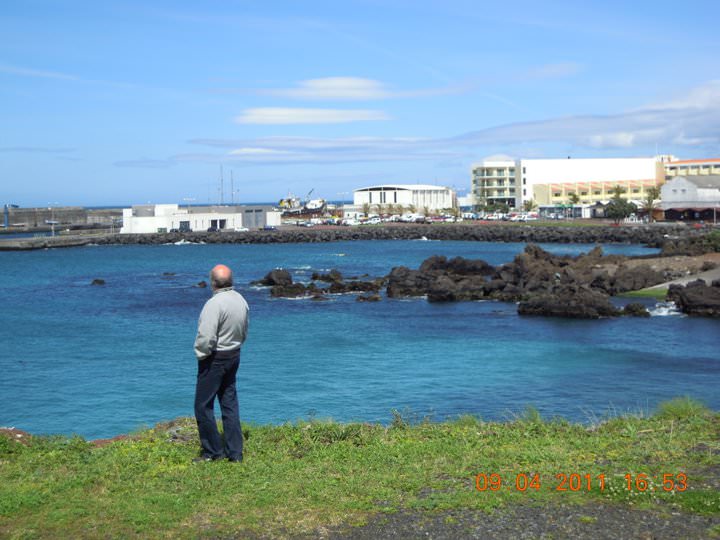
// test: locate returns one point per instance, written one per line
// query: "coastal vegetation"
(313, 475)
(619, 208)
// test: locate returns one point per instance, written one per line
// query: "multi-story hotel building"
(692, 167)
(557, 181)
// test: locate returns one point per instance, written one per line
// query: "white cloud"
(691, 121)
(687, 120)
(352, 88)
(282, 115)
(255, 152)
(335, 88)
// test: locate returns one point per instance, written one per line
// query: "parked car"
(212, 229)
(241, 229)
(269, 228)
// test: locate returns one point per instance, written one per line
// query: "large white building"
(419, 196)
(160, 218)
(554, 181)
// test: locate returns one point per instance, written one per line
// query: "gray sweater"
(223, 323)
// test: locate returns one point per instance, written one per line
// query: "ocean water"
(104, 360)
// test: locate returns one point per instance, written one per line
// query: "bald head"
(221, 277)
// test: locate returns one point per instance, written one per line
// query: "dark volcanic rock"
(354, 286)
(635, 309)
(441, 279)
(368, 298)
(443, 289)
(633, 279)
(696, 298)
(293, 290)
(569, 301)
(277, 277)
(334, 276)
(405, 282)
(98, 281)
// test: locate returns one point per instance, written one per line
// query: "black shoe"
(235, 460)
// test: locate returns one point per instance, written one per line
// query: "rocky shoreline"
(539, 282)
(678, 238)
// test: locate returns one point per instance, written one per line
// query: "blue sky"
(105, 103)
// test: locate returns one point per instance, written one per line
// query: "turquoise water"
(104, 360)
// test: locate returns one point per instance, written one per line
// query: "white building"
(691, 197)
(160, 218)
(420, 196)
(554, 181)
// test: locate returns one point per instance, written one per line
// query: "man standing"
(222, 329)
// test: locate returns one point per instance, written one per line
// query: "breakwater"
(651, 235)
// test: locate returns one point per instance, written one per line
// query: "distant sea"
(104, 360)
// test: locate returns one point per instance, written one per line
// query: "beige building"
(692, 167)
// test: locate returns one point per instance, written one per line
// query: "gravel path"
(591, 521)
(692, 264)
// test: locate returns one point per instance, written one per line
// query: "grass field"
(659, 294)
(302, 477)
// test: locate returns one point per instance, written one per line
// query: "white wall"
(434, 197)
(169, 217)
(680, 193)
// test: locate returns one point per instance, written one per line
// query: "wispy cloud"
(146, 163)
(35, 149)
(353, 88)
(293, 150)
(30, 72)
(282, 115)
(690, 120)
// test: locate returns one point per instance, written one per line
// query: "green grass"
(298, 478)
(659, 294)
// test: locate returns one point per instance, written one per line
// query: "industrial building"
(161, 218)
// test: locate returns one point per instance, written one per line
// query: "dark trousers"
(216, 377)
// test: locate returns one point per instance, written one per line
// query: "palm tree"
(412, 208)
(530, 205)
(650, 202)
(426, 211)
(617, 191)
(366, 209)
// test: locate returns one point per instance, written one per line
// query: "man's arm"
(206, 339)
